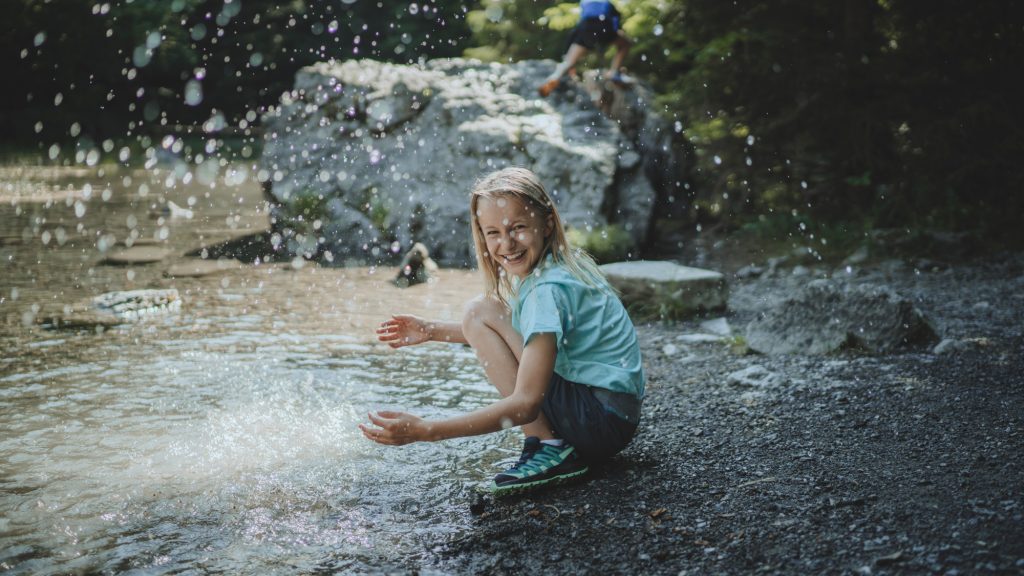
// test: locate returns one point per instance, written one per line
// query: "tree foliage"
(115, 68)
(894, 112)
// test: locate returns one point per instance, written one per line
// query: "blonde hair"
(523, 185)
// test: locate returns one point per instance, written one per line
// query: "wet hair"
(523, 185)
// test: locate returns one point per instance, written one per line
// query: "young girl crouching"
(551, 334)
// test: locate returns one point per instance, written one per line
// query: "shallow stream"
(221, 437)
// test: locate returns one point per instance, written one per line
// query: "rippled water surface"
(221, 437)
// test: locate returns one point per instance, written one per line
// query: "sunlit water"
(222, 437)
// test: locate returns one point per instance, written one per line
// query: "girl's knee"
(484, 311)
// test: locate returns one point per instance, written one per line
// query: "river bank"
(902, 463)
(222, 436)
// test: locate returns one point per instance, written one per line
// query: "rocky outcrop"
(827, 317)
(363, 159)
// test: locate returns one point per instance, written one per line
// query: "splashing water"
(222, 438)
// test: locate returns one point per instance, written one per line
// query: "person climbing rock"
(599, 26)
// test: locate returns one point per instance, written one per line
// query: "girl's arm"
(521, 407)
(406, 330)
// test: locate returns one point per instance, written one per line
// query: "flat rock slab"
(113, 308)
(826, 317)
(199, 268)
(137, 255)
(666, 290)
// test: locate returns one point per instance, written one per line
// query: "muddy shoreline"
(905, 463)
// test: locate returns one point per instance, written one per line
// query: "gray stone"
(137, 255)
(953, 345)
(719, 326)
(199, 268)
(825, 317)
(775, 263)
(381, 153)
(113, 308)
(754, 377)
(859, 256)
(750, 271)
(699, 338)
(666, 289)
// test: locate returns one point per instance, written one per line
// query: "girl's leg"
(487, 325)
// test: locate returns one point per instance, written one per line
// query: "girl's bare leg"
(487, 325)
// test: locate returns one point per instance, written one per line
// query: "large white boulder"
(364, 158)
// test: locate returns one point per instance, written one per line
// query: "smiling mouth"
(513, 258)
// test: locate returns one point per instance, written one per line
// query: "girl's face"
(515, 233)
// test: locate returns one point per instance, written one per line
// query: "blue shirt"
(597, 343)
(595, 9)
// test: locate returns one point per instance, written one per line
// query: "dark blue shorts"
(582, 420)
(593, 33)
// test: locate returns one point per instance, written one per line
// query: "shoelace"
(524, 458)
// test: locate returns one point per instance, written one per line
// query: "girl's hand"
(403, 330)
(395, 428)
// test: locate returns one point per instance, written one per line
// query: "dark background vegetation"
(850, 114)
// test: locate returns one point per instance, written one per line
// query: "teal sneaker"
(539, 465)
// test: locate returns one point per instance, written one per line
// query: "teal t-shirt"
(597, 343)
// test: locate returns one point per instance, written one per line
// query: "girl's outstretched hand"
(395, 428)
(403, 330)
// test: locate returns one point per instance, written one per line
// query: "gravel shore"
(906, 463)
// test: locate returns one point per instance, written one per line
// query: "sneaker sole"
(499, 491)
(547, 88)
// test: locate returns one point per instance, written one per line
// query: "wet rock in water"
(136, 255)
(416, 267)
(174, 211)
(750, 271)
(389, 152)
(115, 308)
(953, 346)
(199, 268)
(859, 256)
(800, 271)
(661, 289)
(825, 317)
